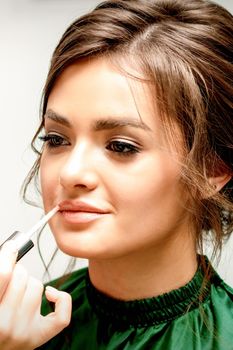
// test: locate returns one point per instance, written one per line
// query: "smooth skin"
(22, 327)
(92, 153)
(105, 145)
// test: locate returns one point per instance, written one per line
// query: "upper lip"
(80, 206)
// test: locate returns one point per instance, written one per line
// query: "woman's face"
(107, 163)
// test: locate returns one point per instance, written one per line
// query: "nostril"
(81, 185)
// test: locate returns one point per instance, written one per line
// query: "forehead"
(92, 90)
(97, 87)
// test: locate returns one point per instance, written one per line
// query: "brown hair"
(185, 51)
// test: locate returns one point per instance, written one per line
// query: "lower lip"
(79, 217)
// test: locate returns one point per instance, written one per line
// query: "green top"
(172, 321)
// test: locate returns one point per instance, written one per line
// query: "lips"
(80, 207)
(78, 212)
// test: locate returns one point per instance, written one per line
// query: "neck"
(146, 274)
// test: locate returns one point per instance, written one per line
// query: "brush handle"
(22, 250)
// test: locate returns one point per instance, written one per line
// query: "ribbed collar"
(151, 311)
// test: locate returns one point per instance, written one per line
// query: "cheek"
(149, 198)
(48, 180)
(148, 183)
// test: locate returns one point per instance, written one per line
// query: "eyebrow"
(113, 123)
(50, 114)
(101, 124)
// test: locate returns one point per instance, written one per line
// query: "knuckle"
(5, 332)
(63, 321)
(20, 272)
(19, 338)
(5, 274)
(64, 316)
(13, 335)
(36, 284)
(66, 297)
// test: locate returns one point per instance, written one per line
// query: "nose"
(78, 169)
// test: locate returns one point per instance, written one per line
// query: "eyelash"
(54, 140)
(121, 148)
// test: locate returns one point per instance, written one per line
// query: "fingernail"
(9, 247)
(51, 290)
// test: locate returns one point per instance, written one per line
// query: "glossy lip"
(79, 212)
(80, 206)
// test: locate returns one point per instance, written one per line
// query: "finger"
(59, 319)
(32, 298)
(16, 287)
(10, 304)
(63, 305)
(28, 313)
(8, 255)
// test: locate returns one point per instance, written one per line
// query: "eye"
(122, 148)
(54, 140)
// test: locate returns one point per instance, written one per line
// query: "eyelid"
(48, 137)
(126, 140)
(122, 148)
(53, 133)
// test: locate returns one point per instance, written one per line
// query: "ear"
(218, 182)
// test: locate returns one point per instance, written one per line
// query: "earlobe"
(218, 182)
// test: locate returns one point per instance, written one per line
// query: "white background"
(29, 31)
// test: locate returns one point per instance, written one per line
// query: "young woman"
(137, 127)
